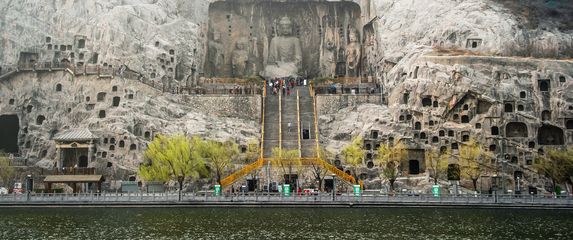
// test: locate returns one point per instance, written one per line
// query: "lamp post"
(333, 187)
(180, 180)
(517, 191)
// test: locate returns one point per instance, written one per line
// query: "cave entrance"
(413, 167)
(454, 172)
(9, 128)
(550, 135)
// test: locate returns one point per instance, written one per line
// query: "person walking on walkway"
(289, 126)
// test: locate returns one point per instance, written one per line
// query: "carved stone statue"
(352, 54)
(216, 57)
(239, 58)
(327, 58)
(285, 55)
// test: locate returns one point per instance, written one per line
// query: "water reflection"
(281, 223)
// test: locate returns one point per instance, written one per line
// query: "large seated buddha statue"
(285, 55)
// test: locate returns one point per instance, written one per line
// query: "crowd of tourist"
(284, 85)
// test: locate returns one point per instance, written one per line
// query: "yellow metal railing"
(298, 123)
(280, 119)
(262, 148)
(311, 89)
(345, 176)
(241, 173)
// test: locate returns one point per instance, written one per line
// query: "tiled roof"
(75, 135)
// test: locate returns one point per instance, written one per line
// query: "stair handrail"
(280, 117)
(298, 123)
(263, 121)
(242, 172)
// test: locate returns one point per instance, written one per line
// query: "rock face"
(448, 70)
(123, 114)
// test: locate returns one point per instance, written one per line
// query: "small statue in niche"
(353, 53)
(239, 58)
(216, 55)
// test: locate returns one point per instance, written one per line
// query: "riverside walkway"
(275, 199)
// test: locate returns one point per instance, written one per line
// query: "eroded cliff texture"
(448, 70)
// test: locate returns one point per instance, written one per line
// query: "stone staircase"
(271, 125)
(280, 110)
(308, 145)
(289, 114)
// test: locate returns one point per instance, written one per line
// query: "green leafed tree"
(172, 158)
(217, 155)
(7, 172)
(353, 155)
(437, 163)
(474, 161)
(557, 165)
(389, 158)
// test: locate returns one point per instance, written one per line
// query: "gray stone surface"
(431, 58)
(142, 113)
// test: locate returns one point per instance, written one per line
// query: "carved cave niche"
(544, 85)
(494, 131)
(516, 130)
(256, 22)
(426, 102)
(569, 124)
(101, 96)
(550, 135)
(546, 115)
(508, 107)
(483, 107)
(40, 119)
(115, 101)
(451, 133)
(465, 119)
(9, 128)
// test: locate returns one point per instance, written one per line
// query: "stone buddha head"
(285, 26)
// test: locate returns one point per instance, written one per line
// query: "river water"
(283, 223)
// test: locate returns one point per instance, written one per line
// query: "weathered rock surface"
(128, 111)
(449, 70)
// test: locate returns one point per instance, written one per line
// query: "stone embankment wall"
(330, 104)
